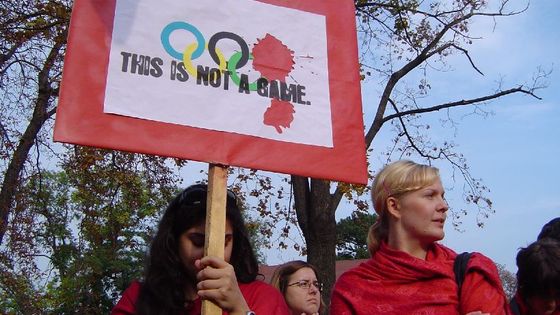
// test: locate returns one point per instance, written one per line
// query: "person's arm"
(264, 298)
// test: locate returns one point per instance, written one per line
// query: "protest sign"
(271, 85)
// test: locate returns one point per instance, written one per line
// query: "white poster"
(236, 66)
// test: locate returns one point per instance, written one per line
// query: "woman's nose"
(313, 288)
(552, 305)
(443, 206)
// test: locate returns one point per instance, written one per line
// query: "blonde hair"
(395, 180)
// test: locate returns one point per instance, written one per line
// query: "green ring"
(232, 67)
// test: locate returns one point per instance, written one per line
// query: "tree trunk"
(321, 250)
(316, 218)
(40, 115)
(11, 178)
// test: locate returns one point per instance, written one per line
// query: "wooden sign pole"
(215, 222)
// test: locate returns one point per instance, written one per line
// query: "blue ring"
(166, 32)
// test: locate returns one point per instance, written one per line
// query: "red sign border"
(80, 118)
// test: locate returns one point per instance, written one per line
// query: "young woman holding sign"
(409, 272)
(176, 277)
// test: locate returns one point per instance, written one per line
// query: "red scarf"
(394, 282)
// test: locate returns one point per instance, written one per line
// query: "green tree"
(33, 41)
(509, 281)
(93, 223)
(351, 235)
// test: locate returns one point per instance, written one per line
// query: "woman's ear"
(393, 207)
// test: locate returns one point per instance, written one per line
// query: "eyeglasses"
(195, 194)
(306, 284)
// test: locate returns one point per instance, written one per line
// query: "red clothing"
(262, 298)
(394, 282)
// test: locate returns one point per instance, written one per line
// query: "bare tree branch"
(460, 103)
(466, 52)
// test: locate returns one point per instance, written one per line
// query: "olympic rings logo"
(195, 50)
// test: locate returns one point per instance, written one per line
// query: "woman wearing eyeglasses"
(297, 280)
(176, 280)
(409, 272)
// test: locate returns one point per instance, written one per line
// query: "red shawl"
(394, 282)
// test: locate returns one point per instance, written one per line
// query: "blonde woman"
(409, 271)
(298, 283)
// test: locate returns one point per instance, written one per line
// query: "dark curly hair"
(551, 230)
(165, 277)
(539, 268)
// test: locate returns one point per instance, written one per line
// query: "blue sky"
(514, 149)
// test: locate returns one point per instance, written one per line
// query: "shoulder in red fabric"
(263, 298)
(126, 305)
(482, 289)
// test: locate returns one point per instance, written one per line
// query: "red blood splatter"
(272, 58)
(279, 114)
(275, 61)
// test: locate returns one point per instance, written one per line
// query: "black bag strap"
(514, 307)
(460, 269)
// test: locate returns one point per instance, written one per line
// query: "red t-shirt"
(262, 298)
(394, 282)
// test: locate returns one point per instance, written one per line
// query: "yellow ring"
(187, 62)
